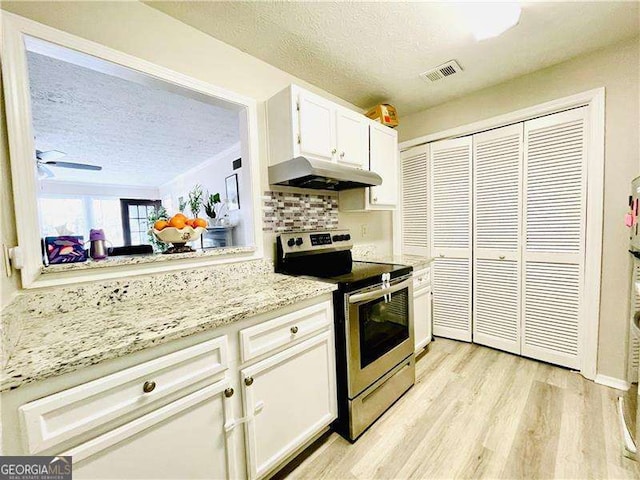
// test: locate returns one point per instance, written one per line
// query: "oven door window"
(383, 325)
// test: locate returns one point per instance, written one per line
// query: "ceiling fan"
(50, 158)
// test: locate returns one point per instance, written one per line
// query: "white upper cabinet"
(316, 127)
(383, 159)
(352, 138)
(301, 123)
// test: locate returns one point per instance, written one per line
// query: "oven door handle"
(362, 297)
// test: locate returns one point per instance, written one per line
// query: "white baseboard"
(612, 382)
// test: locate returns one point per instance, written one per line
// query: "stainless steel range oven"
(373, 315)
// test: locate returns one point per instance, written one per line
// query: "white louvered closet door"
(497, 158)
(633, 362)
(450, 162)
(555, 158)
(415, 200)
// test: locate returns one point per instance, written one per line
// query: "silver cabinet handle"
(248, 381)
(341, 154)
(149, 386)
(294, 329)
(442, 255)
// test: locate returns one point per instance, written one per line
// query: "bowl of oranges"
(178, 230)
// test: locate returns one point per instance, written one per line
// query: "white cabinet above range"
(301, 123)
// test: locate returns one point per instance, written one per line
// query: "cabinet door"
(288, 398)
(497, 219)
(450, 162)
(352, 138)
(554, 236)
(383, 159)
(316, 124)
(184, 439)
(422, 317)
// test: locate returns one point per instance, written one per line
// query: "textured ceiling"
(368, 52)
(140, 134)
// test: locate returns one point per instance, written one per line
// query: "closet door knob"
(248, 381)
(149, 387)
(294, 329)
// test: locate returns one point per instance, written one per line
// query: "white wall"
(617, 68)
(144, 32)
(211, 175)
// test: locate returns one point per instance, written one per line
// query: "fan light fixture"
(488, 20)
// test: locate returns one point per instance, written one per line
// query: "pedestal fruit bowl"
(179, 231)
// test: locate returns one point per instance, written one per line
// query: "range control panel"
(311, 241)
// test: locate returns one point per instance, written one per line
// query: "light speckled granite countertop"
(46, 334)
(127, 260)
(416, 261)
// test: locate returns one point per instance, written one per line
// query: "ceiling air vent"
(441, 71)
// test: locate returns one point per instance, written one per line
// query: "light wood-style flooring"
(480, 413)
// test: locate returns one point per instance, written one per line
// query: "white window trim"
(21, 147)
(595, 101)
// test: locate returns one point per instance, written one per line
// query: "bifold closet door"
(555, 158)
(415, 200)
(497, 181)
(450, 166)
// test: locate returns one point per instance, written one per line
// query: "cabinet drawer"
(51, 420)
(422, 278)
(273, 334)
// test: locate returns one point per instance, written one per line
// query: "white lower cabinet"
(422, 309)
(288, 398)
(180, 415)
(184, 439)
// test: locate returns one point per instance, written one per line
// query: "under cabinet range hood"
(302, 172)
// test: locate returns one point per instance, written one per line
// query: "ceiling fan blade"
(77, 166)
(44, 172)
(49, 155)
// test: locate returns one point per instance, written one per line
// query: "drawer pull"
(501, 257)
(149, 387)
(228, 392)
(248, 381)
(294, 330)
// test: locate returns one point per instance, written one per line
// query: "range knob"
(336, 238)
(291, 242)
(346, 237)
(299, 241)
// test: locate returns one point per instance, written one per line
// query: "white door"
(352, 138)
(450, 162)
(555, 160)
(288, 398)
(185, 439)
(421, 315)
(497, 158)
(383, 159)
(317, 123)
(415, 200)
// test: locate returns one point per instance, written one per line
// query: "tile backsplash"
(285, 211)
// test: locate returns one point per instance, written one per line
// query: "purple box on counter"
(65, 249)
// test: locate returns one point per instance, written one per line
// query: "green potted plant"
(195, 200)
(212, 206)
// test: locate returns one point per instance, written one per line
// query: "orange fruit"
(191, 222)
(199, 222)
(180, 215)
(160, 224)
(177, 222)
